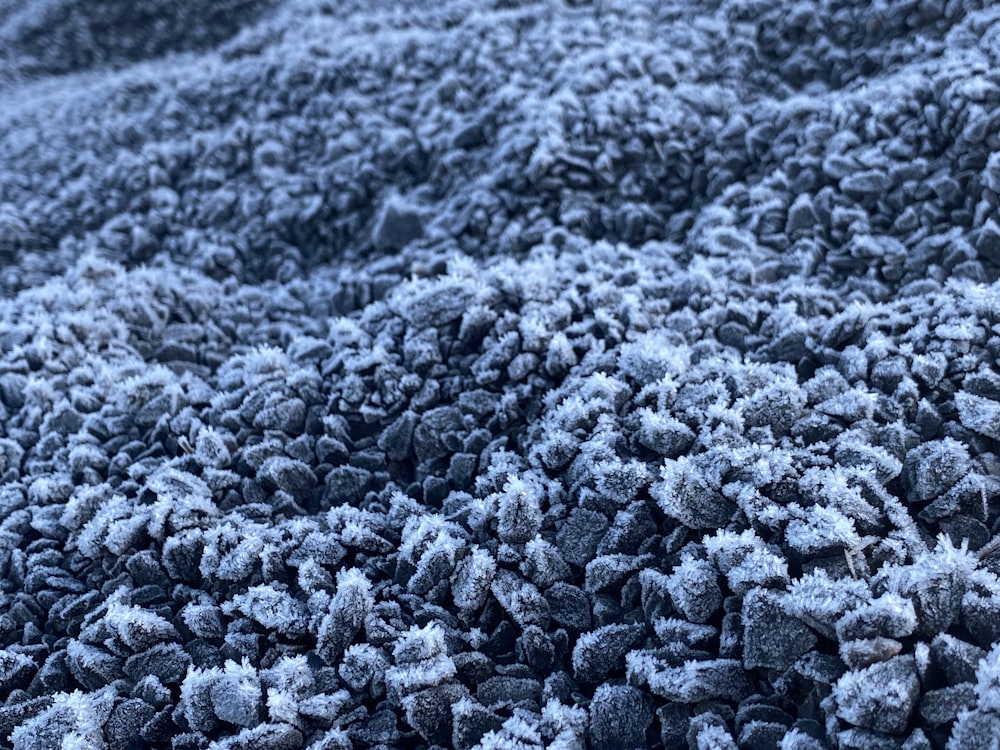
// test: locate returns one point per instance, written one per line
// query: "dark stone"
(462, 470)
(53, 677)
(205, 621)
(705, 727)
(16, 669)
(560, 685)
(674, 719)
(630, 529)
(182, 557)
(501, 642)
(276, 736)
(396, 439)
(285, 415)
(610, 572)
(960, 527)
(569, 606)
(879, 618)
(620, 715)
(930, 469)
(240, 646)
(981, 617)
(607, 610)
(477, 440)
(866, 651)
(471, 722)
(943, 705)
(812, 735)
(473, 667)
(370, 459)
(92, 666)
(421, 350)
(732, 334)
(694, 589)
(203, 654)
(580, 535)
(65, 421)
(501, 690)
(536, 649)
(880, 697)
(801, 215)
(189, 741)
(399, 223)
(479, 403)
(975, 730)
(750, 711)
(150, 690)
(167, 661)
(988, 241)
(957, 659)
(347, 485)
(287, 474)
(150, 594)
(438, 432)
(13, 714)
(522, 365)
(428, 395)
(379, 728)
(855, 738)
(670, 438)
(435, 490)
(330, 450)
(695, 681)
(601, 653)
(761, 735)
(124, 727)
(771, 638)
(824, 669)
(731, 636)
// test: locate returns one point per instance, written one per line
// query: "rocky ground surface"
(499, 375)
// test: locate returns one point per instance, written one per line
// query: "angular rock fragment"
(979, 414)
(579, 535)
(569, 606)
(430, 711)
(771, 638)
(932, 468)
(880, 697)
(288, 475)
(599, 653)
(945, 704)
(619, 717)
(694, 589)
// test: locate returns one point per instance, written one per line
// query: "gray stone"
(771, 638)
(619, 717)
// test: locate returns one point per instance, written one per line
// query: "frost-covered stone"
(579, 536)
(600, 652)
(771, 638)
(932, 468)
(619, 346)
(880, 697)
(694, 589)
(619, 717)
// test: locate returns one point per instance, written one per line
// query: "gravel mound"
(499, 375)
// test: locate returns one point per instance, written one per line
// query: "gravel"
(494, 375)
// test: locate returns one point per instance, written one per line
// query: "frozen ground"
(499, 375)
